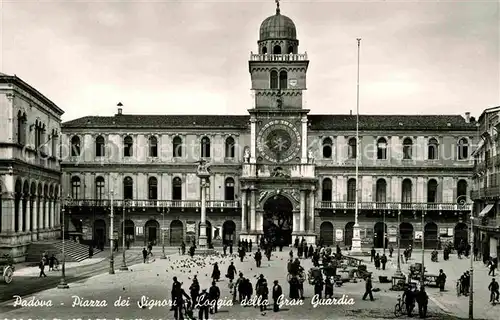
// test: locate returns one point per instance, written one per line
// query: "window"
(153, 147)
(432, 149)
(21, 128)
(381, 191)
(327, 148)
(326, 190)
(39, 130)
(283, 80)
(128, 188)
(432, 191)
(177, 147)
(352, 152)
(407, 146)
(381, 149)
(406, 191)
(153, 188)
(290, 49)
(461, 189)
(177, 189)
(351, 190)
(463, 149)
(128, 144)
(277, 50)
(75, 188)
(99, 188)
(229, 189)
(75, 146)
(274, 79)
(264, 50)
(205, 147)
(230, 147)
(99, 147)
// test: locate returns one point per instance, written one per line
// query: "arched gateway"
(278, 220)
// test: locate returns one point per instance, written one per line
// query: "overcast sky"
(191, 57)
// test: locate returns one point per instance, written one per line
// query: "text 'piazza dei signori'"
(277, 170)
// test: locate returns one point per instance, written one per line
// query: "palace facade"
(276, 167)
(30, 128)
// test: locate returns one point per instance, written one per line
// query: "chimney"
(467, 117)
(120, 110)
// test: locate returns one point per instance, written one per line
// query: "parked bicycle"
(399, 308)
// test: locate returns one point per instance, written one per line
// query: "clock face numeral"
(278, 141)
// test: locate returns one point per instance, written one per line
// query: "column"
(35, 213)
(53, 214)
(253, 137)
(252, 210)
(202, 239)
(304, 140)
(46, 206)
(302, 217)
(40, 208)
(312, 226)
(244, 210)
(28, 213)
(7, 215)
(20, 213)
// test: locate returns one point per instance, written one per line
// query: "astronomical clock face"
(278, 141)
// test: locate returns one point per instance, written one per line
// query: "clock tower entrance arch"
(278, 220)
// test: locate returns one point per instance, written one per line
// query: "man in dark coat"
(144, 255)
(441, 279)
(368, 288)
(231, 247)
(493, 287)
(409, 299)
(214, 295)
(422, 300)
(262, 292)
(372, 254)
(258, 258)
(183, 248)
(383, 260)
(239, 286)
(241, 253)
(277, 293)
(231, 271)
(178, 295)
(194, 290)
(203, 305)
(318, 287)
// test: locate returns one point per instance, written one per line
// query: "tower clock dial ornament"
(278, 141)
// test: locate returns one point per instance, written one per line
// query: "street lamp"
(124, 263)
(398, 273)
(462, 203)
(63, 284)
(111, 236)
(383, 235)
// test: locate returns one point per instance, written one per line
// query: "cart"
(7, 268)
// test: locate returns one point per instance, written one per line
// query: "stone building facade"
(30, 128)
(277, 167)
(485, 187)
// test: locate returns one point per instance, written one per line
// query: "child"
(232, 289)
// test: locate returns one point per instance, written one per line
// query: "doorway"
(278, 220)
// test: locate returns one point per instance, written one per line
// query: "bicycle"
(399, 308)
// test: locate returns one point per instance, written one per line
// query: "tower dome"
(278, 27)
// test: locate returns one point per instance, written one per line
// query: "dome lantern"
(277, 27)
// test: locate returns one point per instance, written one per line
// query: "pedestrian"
(224, 249)
(203, 305)
(311, 251)
(232, 289)
(53, 262)
(115, 245)
(377, 261)
(329, 287)
(476, 253)
(318, 287)
(422, 300)
(250, 245)
(214, 295)
(241, 253)
(258, 258)
(277, 293)
(296, 242)
(194, 290)
(493, 287)
(144, 255)
(409, 299)
(491, 265)
(368, 288)
(231, 271)
(391, 250)
(441, 280)
(300, 251)
(383, 260)
(239, 286)
(231, 247)
(178, 295)
(372, 254)
(262, 292)
(191, 251)
(41, 265)
(216, 272)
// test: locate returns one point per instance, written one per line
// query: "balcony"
(278, 57)
(159, 204)
(348, 205)
(251, 170)
(492, 192)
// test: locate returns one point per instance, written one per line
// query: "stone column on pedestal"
(312, 225)
(202, 239)
(252, 209)
(34, 214)
(28, 213)
(303, 159)
(244, 210)
(20, 213)
(8, 212)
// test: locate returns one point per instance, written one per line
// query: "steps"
(75, 252)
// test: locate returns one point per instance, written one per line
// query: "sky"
(191, 57)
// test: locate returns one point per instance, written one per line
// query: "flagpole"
(356, 239)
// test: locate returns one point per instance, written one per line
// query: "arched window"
(153, 147)
(75, 146)
(352, 152)
(128, 188)
(229, 189)
(351, 190)
(290, 49)
(264, 50)
(153, 188)
(381, 149)
(407, 147)
(99, 147)
(432, 186)
(128, 145)
(177, 147)
(381, 191)
(463, 149)
(406, 191)
(274, 80)
(327, 148)
(230, 147)
(432, 149)
(277, 49)
(283, 79)
(177, 189)
(205, 147)
(55, 142)
(326, 190)
(461, 189)
(21, 128)
(75, 188)
(99, 188)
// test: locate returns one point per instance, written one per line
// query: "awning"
(486, 210)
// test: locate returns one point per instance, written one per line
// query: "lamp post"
(111, 236)
(163, 234)
(462, 203)
(383, 235)
(398, 273)
(63, 284)
(422, 273)
(124, 262)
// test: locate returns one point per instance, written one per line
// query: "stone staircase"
(75, 252)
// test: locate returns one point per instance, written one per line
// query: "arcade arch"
(278, 220)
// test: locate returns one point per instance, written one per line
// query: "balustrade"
(344, 205)
(154, 203)
(278, 57)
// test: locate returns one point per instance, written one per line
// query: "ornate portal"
(279, 141)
